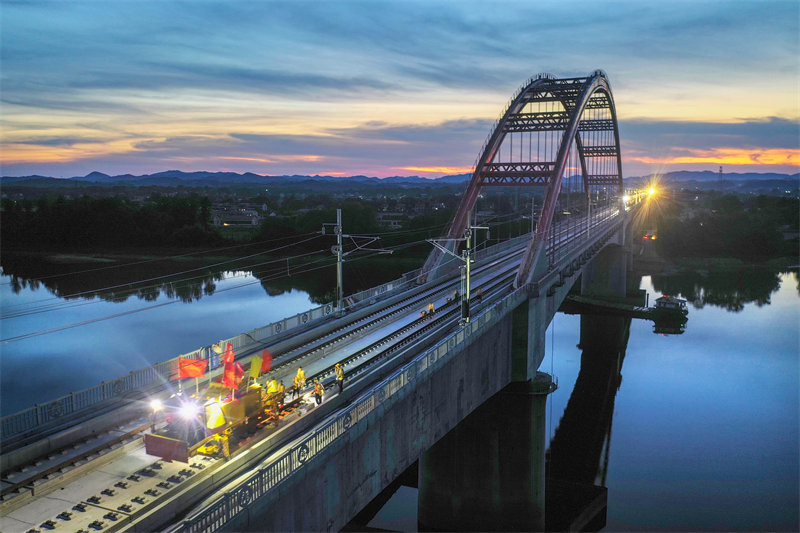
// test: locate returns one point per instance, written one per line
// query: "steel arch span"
(556, 126)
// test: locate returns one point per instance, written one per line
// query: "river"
(704, 434)
(61, 334)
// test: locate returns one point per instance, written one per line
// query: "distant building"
(391, 220)
(235, 219)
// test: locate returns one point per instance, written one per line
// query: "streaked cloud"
(730, 156)
(438, 170)
(380, 87)
(768, 144)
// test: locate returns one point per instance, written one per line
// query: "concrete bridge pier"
(606, 274)
(487, 474)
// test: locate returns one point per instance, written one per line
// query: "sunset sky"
(383, 88)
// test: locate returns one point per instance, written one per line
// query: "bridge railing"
(59, 410)
(582, 231)
(399, 284)
(297, 455)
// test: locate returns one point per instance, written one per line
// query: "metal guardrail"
(397, 384)
(58, 410)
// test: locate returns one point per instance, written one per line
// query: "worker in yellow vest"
(339, 376)
(281, 394)
(296, 386)
(318, 391)
(299, 382)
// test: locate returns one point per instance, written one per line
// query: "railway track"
(108, 495)
(112, 484)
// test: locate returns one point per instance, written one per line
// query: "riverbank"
(120, 276)
(727, 264)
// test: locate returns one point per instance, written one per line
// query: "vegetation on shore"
(757, 229)
(87, 223)
(709, 225)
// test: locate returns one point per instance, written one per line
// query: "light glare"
(188, 411)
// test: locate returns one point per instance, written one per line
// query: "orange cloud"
(297, 157)
(34, 153)
(729, 156)
(275, 158)
(439, 170)
(256, 159)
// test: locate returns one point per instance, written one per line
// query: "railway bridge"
(413, 383)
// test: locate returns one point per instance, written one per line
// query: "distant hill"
(176, 178)
(173, 178)
(707, 175)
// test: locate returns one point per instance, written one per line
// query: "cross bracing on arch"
(558, 134)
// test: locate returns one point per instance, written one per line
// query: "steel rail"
(28, 482)
(442, 286)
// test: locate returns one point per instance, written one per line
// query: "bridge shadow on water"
(577, 459)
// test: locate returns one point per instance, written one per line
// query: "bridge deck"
(174, 481)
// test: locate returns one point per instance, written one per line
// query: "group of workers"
(453, 298)
(299, 382)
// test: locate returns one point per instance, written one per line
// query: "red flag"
(229, 356)
(191, 368)
(266, 361)
(232, 375)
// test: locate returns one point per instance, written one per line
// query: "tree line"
(115, 223)
(750, 230)
(87, 222)
(718, 226)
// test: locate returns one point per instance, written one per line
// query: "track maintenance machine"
(204, 423)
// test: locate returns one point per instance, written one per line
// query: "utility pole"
(465, 256)
(338, 251)
(339, 260)
(588, 214)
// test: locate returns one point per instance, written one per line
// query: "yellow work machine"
(203, 424)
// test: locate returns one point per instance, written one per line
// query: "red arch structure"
(556, 126)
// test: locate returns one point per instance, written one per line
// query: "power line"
(101, 289)
(47, 308)
(163, 304)
(59, 304)
(166, 258)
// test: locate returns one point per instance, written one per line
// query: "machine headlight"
(188, 411)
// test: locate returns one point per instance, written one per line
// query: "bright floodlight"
(155, 404)
(651, 192)
(188, 411)
(626, 198)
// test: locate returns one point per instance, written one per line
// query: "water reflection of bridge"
(418, 387)
(577, 460)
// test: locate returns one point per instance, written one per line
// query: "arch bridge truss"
(559, 134)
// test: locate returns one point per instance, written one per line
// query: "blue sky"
(383, 88)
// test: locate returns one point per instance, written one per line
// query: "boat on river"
(669, 314)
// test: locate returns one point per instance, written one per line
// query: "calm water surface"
(45, 367)
(705, 428)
